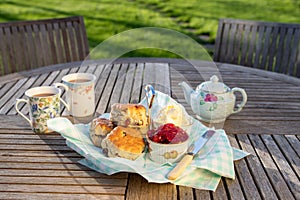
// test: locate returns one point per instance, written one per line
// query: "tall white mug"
(80, 94)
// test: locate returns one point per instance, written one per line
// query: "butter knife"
(192, 151)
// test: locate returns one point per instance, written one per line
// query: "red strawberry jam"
(168, 134)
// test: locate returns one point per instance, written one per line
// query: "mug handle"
(18, 111)
(62, 85)
(66, 89)
(244, 95)
(65, 104)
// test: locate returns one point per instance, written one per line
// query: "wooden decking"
(42, 166)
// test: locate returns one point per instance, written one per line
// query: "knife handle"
(180, 167)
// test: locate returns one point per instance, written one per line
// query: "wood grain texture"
(271, 168)
(257, 185)
(41, 196)
(282, 163)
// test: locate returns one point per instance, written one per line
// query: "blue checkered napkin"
(209, 165)
(201, 174)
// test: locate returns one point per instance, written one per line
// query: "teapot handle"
(244, 95)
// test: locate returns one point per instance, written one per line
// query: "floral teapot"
(213, 101)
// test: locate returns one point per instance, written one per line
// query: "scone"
(128, 115)
(99, 128)
(123, 142)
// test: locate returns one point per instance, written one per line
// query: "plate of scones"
(125, 133)
(122, 134)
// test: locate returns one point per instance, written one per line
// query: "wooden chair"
(263, 45)
(30, 44)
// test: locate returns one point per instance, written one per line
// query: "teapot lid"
(213, 86)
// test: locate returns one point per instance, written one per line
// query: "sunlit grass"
(105, 18)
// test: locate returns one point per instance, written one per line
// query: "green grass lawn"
(105, 18)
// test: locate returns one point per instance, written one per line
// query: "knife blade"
(192, 151)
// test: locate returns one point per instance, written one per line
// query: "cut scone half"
(128, 115)
(99, 129)
(123, 142)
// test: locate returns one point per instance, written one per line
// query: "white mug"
(80, 94)
(44, 104)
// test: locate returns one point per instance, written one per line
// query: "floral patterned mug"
(44, 104)
(80, 94)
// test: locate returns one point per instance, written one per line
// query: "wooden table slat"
(59, 173)
(40, 154)
(261, 182)
(8, 95)
(118, 86)
(185, 192)
(292, 159)
(105, 97)
(270, 167)
(282, 163)
(220, 192)
(234, 187)
(295, 143)
(136, 88)
(63, 181)
(35, 147)
(67, 189)
(42, 166)
(45, 196)
(35, 159)
(127, 86)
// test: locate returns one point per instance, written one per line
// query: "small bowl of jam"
(167, 143)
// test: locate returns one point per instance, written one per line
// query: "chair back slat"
(258, 47)
(226, 35)
(80, 41)
(295, 54)
(280, 46)
(32, 49)
(3, 51)
(29, 44)
(65, 41)
(24, 59)
(16, 53)
(273, 45)
(10, 51)
(245, 45)
(58, 52)
(218, 42)
(237, 44)
(231, 40)
(252, 42)
(287, 53)
(38, 46)
(71, 37)
(52, 49)
(44, 45)
(266, 49)
(263, 45)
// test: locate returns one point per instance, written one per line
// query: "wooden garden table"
(42, 166)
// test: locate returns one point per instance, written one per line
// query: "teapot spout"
(187, 90)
